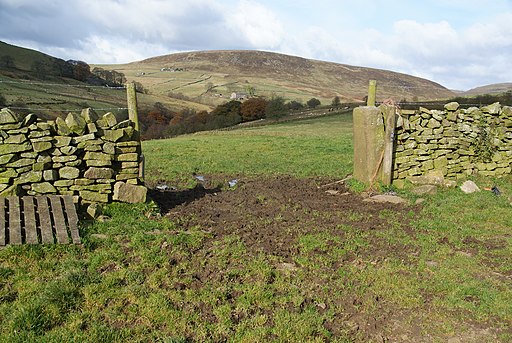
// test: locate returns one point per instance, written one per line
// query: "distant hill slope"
(205, 75)
(496, 88)
(31, 81)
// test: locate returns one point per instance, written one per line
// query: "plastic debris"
(163, 187)
(495, 190)
(200, 177)
(232, 183)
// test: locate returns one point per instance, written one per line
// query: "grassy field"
(302, 148)
(439, 272)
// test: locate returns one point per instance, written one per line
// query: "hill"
(31, 81)
(211, 76)
(496, 88)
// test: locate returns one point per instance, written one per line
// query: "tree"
(295, 105)
(227, 114)
(253, 109)
(336, 102)
(275, 107)
(81, 70)
(7, 61)
(40, 69)
(313, 102)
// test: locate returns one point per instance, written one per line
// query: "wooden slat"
(45, 223)
(60, 221)
(2, 221)
(72, 218)
(14, 221)
(29, 214)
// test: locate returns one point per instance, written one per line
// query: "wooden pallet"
(45, 219)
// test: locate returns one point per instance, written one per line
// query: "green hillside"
(210, 77)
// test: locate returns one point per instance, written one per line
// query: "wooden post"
(372, 90)
(131, 95)
(389, 140)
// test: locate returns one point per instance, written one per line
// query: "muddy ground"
(269, 215)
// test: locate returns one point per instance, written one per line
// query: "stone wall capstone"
(93, 158)
(453, 143)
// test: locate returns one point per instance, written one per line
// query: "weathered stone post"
(131, 96)
(372, 93)
(368, 143)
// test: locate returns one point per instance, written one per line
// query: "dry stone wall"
(453, 143)
(93, 158)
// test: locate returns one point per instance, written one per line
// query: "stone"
(83, 182)
(63, 183)
(50, 175)
(69, 173)
(109, 148)
(94, 196)
(89, 115)
(98, 163)
(64, 159)
(99, 173)
(129, 165)
(44, 188)
(22, 162)
(469, 187)
(452, 106)
(122, 177)
(94, 210)
(131, 157)
(42, 146)
(6, 149)
(9, 173)
(113, 135)
(382, 198)
(107, 121)
(9, 117)
(68, 150)
(76, 123)
(39, 134)
(450, 183)
(83, 140)
(432, 177)
(13, 190)
(61, 141)
(6, 158)
(425, 189)
(92, 128)
(62, 127)
(122, 125)
(91, 155)
(492, 109)
(29, 177)
(15, 139)
(129, 193)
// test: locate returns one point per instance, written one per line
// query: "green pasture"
(445, 272)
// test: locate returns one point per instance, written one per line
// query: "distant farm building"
(239, 96)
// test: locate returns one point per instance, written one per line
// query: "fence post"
(372, 91)
(131, 95)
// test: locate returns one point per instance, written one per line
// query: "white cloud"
(257, 24)
(457, 43)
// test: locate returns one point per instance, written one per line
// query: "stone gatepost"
(368, 143)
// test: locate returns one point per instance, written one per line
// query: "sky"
(460, 44)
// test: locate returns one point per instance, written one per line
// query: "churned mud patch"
(321, 243)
